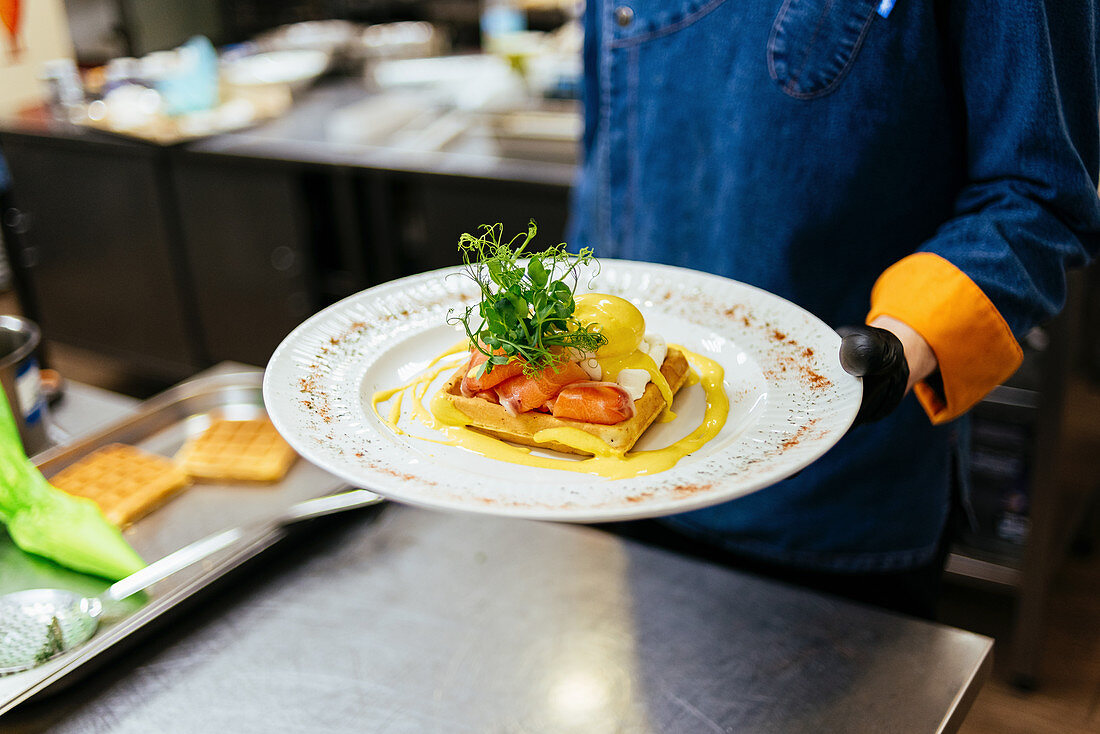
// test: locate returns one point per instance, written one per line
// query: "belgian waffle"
(494, 420)
(250, 450)
(126, 482)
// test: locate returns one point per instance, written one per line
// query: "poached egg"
(631, 357)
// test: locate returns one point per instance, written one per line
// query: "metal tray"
(160, 425)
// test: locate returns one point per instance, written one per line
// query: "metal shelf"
(1004, 575)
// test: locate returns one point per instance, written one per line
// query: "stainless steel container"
(22, 383)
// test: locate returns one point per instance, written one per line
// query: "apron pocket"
(813, 43)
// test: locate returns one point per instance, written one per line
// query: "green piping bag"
(42, 519)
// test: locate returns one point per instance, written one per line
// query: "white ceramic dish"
(291, 67)
(790, 400)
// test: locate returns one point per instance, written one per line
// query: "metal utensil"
(39, 624)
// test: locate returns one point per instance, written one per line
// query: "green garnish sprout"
(526, 310)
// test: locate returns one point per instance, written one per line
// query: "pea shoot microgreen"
(526, 308)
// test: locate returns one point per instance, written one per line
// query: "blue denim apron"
(801, 146)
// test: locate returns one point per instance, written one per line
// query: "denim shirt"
(803, 146)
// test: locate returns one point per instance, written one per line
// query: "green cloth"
(44, 520)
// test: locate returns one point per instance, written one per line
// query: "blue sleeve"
(1029, 209)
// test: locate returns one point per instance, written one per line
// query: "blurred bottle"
(500, 19)
(64, 88)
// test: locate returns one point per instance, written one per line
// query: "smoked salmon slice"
(473, 384)
(606, 403)
(521, 393)
(489, 395)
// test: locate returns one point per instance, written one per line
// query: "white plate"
(790, 400)
(276, 67)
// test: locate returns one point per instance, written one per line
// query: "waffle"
(494, 420)
(249, 450)
(126, 482)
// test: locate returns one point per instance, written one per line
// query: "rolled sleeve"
(974, 346)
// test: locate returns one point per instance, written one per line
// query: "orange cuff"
(972, 342)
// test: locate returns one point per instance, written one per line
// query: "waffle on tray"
(126, 482)
(494, 420)
(248, 450)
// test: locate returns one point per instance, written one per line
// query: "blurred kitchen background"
(182, 183)
(264, 159)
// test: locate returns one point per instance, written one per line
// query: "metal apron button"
(624, 16)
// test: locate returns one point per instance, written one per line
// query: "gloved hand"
(878, 357)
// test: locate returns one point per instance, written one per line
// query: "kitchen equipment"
(160, 425)
(39, 624)
(334, 37)
(552, 135)
(19, 338)
(400, 40)
(294, 68)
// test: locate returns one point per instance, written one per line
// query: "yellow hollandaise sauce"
(441, 416)
(639, 360)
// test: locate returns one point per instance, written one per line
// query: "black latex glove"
(878, 357)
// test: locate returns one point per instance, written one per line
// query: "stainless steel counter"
(300, 136)
(414, 621)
